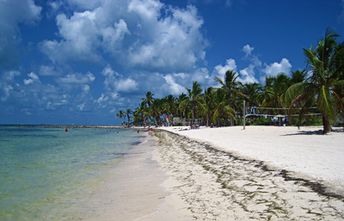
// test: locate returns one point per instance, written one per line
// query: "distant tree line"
(319, 87)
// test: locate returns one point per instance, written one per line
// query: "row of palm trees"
(320, 87)
(125, 116)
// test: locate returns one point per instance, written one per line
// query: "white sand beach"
(305, 151)
(226, 174)
(134, 190)
(249, 178)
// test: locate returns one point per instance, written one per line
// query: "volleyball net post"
(244, 115)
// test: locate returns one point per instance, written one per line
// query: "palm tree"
(120, 114)
(223, 111)
(147, 103)
(148, 100)
(128, 112)
(169, 104)
(298, 76)
(209, 101)
(253, 93)
(326, 73)
(140, 114)
(181, 111)
(156, 109)
(169, 107)
(194, 100)
(338, 89)
(231, 87)
(275, 87)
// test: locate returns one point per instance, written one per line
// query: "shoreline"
(172, 176)
(134, 189)
(62, 126)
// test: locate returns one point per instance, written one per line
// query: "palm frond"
(293, 92)
(325, 103)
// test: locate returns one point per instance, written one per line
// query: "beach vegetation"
(120, 114)
(194, 101)
(323, 87)
(309, 96)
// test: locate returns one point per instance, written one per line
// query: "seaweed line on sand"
(218, 185)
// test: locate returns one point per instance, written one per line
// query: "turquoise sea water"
(45, 173)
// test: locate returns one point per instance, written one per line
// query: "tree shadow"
(314, 132)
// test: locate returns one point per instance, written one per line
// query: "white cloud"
(126, 85)
(201, 75)
(109, 72)
(86, 88)
(80, 38)
(275, 68)
(45, 70)
(77, 78)
(12, 14)
(247, 75)
(7, 84)
(82, 4)
(71, 92)
(116, 82)
(222, 69)
(102, 99)
(54, 5)
(33, 78)
(81, 106)
(112, 36)
(144, 34)
(83, 34)
(114, 85)
(10, 75)
(35, 95)
(181, 75)
(147, 9)
(247, 49)
(77, 86)
(173, 87)
(110, 78)
(176, 43)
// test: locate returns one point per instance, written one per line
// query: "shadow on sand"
(314, 132)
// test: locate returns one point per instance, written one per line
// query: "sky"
(80, 62)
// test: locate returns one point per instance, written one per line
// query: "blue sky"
(76, 61)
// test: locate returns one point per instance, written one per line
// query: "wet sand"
(134, 190)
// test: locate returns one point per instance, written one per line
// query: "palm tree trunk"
(207, 119)
(193, 116)
(144, 120)
(326, 123)
(193, 110)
